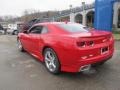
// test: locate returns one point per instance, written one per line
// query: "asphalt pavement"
(21, 71)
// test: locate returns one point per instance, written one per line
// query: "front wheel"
(51, 61)
(15, 32)
(20, 47)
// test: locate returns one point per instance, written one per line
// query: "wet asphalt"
(20, 71)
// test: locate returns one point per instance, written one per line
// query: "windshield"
(73, 28)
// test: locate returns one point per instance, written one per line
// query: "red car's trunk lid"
(96, 36)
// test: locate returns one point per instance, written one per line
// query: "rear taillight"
(81, 44)
(91, 43)
(85, 43)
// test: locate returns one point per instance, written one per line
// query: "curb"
(117, 39)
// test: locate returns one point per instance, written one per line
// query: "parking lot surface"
(20, 71)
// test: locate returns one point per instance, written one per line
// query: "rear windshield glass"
(73, 28)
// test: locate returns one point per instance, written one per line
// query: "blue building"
(107, 14)
(85, 14)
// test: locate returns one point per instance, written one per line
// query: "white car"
(12, 31)
(2, 32)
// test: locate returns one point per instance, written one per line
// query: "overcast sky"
(16, 7)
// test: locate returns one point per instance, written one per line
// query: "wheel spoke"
(50, 66)
(49, 55)
(53, 65)
(47, 59)
(19, 45)
(50, 61)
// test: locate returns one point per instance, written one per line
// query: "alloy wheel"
(50, 61)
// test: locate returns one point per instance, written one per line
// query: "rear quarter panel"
(63, 46)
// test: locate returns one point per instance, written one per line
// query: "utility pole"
(72, 15)
(84, 14)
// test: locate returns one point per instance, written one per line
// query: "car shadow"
(93, 73)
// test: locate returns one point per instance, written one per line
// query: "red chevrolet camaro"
(69, 47)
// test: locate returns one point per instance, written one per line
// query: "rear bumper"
(76, 67)
(74, 62)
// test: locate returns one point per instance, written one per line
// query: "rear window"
(73, 28)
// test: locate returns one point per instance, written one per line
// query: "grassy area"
(117, 36)
(116, 33)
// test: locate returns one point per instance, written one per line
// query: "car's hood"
(94, 33)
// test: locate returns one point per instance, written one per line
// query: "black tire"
(99, 63)
(20, 47)
(54, 60)
(15, 32)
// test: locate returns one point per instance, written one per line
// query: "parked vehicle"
(2, 32)
(12, 31)
(35, 21)
(69, 47)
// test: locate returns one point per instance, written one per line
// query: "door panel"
(34, 41)
(25, 41)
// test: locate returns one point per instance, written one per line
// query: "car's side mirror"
(25, 28)
(25, 31)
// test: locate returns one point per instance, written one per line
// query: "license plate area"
(104, 50)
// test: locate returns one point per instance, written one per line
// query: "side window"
(36, 30)
(44, 30)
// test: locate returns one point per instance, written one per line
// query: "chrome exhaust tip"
(85, 68)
